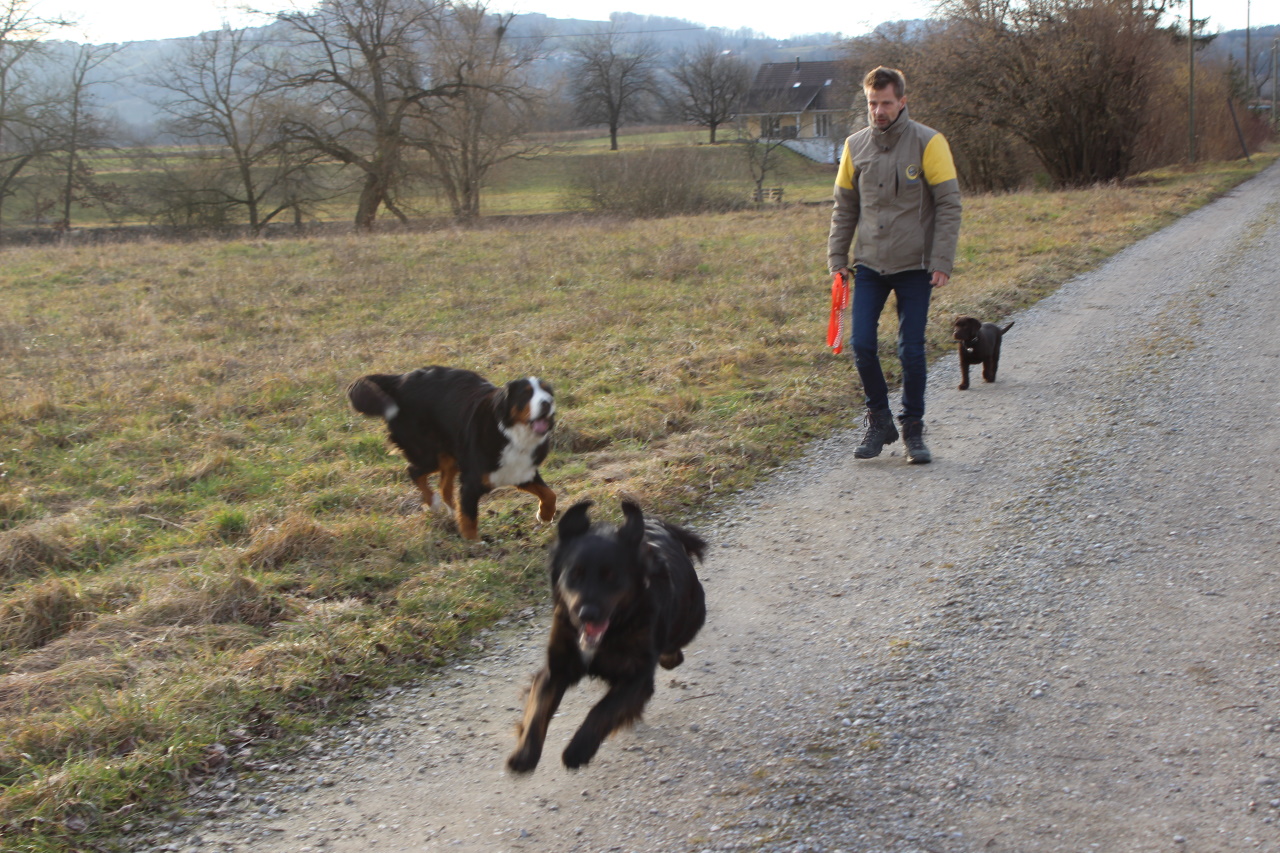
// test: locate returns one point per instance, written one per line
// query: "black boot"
(880, 431)
(913, 438)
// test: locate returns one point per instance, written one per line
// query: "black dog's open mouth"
(541, 426)
(591, 634)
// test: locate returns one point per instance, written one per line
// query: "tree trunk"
(73, 145)
(372, 196)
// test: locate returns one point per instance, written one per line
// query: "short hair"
(878, 78)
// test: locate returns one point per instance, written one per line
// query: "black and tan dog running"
(627, 599)
(475, 434)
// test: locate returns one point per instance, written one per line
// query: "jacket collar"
(891, 134)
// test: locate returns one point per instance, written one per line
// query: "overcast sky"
(133, 20)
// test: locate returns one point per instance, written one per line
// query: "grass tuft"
(210, 599)
(42, 612)
(294, 539)
(40, 546)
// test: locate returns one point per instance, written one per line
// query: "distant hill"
(121, 89)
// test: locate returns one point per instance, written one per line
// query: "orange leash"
(839, 304)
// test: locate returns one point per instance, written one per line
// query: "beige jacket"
(897, 189)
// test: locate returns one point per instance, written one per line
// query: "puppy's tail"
(1007, 328)
(369, 395)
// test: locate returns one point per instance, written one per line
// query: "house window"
(822, 125)
(779, 127)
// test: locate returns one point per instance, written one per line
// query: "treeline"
(1079, 91)
(374, 100)
(370, 100)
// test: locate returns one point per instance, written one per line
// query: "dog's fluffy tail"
(369, 396)
(692, 543)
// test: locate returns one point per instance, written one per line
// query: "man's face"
(883, 106)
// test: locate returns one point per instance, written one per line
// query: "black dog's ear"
(631, 534)
(575, 521)
(513, 397)
(516, 392)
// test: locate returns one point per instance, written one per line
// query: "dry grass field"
(203, 550)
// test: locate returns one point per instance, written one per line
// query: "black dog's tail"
(370, 395)
(694, 544)
(1006, 328)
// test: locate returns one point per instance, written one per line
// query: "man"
(897, 189)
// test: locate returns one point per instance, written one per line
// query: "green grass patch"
(537, 184)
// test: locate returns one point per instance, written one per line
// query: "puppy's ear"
(631, 534)
(575, 521)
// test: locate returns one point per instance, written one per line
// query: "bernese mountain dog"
(474, 434)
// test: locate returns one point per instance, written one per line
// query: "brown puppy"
(979, 343)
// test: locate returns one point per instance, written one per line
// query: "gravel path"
(1060, 636)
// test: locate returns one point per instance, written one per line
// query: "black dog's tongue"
(591, 634)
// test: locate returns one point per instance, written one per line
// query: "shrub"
(647, 184)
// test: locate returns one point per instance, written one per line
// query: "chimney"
(797, 63)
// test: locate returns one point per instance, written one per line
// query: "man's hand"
(939, 279)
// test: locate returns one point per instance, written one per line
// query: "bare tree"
(25, 106)
(488, 121)
(81, 130)
(361, 68)
(222, 100)
(613, 79)
(942, 70)
(1071, 78)
(710, 83)
(763, 140)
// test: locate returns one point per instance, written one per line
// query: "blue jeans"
(870, 292)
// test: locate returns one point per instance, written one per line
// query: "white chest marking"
(515, 465)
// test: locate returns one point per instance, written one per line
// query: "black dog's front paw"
(579, 752)
(523, 760)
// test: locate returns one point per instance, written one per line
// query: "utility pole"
(1191, 80)
(1248, 56)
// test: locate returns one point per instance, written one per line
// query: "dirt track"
(1063, 635)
